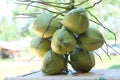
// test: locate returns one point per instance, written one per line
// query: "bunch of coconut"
(72, 37)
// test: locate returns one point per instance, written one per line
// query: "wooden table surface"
(95, 74)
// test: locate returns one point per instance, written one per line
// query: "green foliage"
(8, 33)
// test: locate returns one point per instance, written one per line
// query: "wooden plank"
(96, 74)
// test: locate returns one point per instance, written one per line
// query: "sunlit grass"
(107, 63)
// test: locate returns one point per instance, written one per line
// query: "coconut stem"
(71, 5)
(66, 61)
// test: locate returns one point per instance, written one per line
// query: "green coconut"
(82, 60)
(41, 23)
(92, 39)
(76, 20)
(53, 63)
(63, 41)
(40, 48)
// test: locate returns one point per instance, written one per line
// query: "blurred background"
(16, 34)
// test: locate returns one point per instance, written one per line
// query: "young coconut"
(40, 49)
(63, 41)
(41, 25)
(76, 20)
(82, 60)
(92, 39)
(53, 63)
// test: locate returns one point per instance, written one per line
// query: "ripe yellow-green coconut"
(41, 24)
(39, 49)
(82, 60)
(53, 63)
(92, 39)
(76, 20)
(63, 41)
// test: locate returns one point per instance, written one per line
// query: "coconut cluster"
(73, 37)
